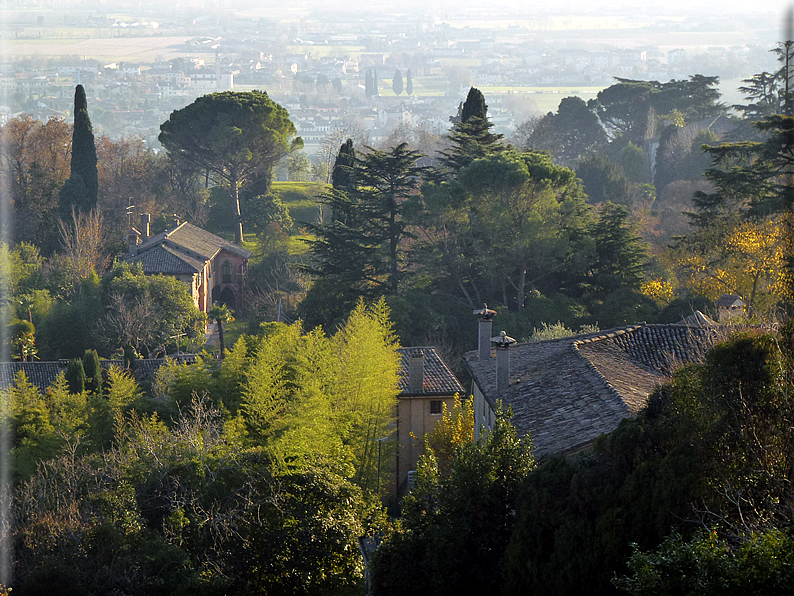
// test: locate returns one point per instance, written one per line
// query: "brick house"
(213, 268)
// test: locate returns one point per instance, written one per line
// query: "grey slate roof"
(166, 260)
(201, 243)
(438, 379)
(730, 301)
(42, 374)
(566, 392)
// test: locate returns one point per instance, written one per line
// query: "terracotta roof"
(201, 243)
(438, 379)
(42, 374)
(566, 392)
(166, 260)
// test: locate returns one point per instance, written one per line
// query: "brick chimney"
(145, 220)
(502, 344)
(416, 370)
(485, 317)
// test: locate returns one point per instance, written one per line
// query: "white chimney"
(502, 344)
(145, 220)
(416, 370)
(485, 317)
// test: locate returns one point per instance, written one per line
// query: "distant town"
(137, 69)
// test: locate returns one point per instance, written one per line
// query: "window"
(226, 270)
(435, 406)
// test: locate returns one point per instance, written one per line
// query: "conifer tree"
(409, 84)
(80, 191)
(75, 375)
(397, 82)
(342, 174)
(93, 371)
(471, 134)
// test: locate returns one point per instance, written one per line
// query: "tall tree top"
(342, 174)
(80, 101)
(474, 107)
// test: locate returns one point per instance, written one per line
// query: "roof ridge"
(601, 377)
(609, 334)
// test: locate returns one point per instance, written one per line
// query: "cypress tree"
(82, 188)
(474, 106)
(409, 84)
(397, 82)
(93, 371)
(375, 82)
(342, 174)
(75, 376)
(471, 135)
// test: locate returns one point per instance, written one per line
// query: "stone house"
(213, 268)
(566, 392)
(426, 385)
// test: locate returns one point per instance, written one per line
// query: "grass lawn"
(300, 198)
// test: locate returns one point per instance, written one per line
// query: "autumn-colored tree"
(35, 157)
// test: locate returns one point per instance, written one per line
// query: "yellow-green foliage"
(308, 396)
(455, 429)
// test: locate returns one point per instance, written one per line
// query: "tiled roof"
(43, 374)
(566, 392)
(166, 260)
(729, 300)
(201, 243)
(438, 379)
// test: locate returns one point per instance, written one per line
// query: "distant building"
(213, 268)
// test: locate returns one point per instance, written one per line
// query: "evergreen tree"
(474, 106)
(362, 247)
(342, 174)
(471, 135)
(93, 371)
(621, 255)
(375, 82)
(409, 84)
(75, 375)
(82, 188)
(397, 82)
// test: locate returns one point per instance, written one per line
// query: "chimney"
(502, 344)
(145, 219)
(416, 370)
(133, 240)
(485, 316)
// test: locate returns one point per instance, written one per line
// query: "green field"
(300, 198)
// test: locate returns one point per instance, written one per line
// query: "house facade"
(426, 386)
(213, 268)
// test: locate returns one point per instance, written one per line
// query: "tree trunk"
(234, 187)
(520, 289)
(393, 241)
(220, 338)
